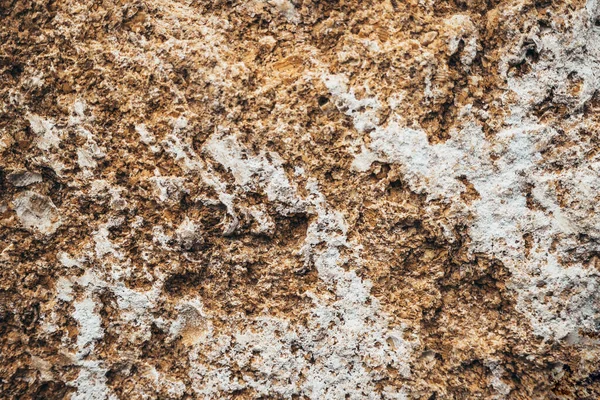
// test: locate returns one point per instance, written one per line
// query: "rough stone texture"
(299, 199)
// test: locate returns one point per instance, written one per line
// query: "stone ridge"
(299, 199)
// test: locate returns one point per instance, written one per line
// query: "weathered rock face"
(299, 199)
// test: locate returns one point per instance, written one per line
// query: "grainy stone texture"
(299, 199)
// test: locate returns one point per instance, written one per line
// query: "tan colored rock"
(299, 199)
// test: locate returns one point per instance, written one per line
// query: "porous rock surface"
(299, 199)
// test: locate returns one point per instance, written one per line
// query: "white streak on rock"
(90, 325)
(64, 289)
(91, 380)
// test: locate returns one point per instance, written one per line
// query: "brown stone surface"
(299, 199)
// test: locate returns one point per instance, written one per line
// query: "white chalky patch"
(103, 244)
(90, 325)
(557, 300)
(502, 389)
(85, 160)
(256, 172)
(36, 212)
(47, 137)
(564, 56)
(188, 234)
(168, 189)
(91, 380)
(459, 28)
(64, 289)
(347, 335)
(146, 136)
(362, 111)
(286, 8)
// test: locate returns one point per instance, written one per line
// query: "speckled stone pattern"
(299, 199)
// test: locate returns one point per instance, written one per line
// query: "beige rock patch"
(37, 212)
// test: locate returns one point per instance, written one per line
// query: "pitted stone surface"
(299, 199)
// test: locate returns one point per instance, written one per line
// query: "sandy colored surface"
(296, 199)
